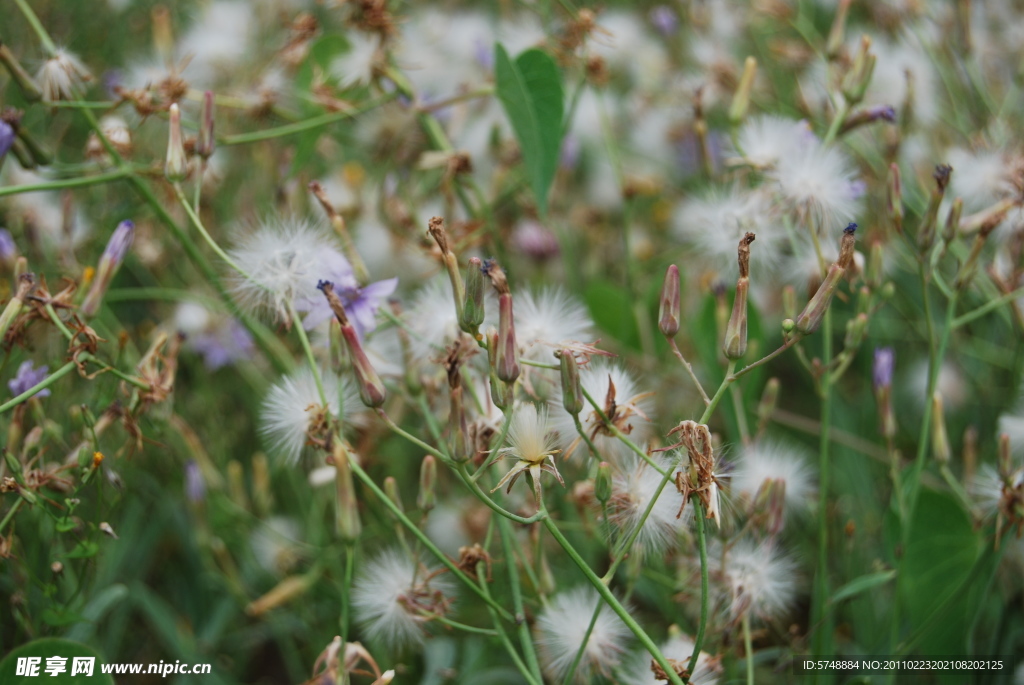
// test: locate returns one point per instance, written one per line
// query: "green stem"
(41, 385)
(79, 182)
(987, 307)
(37, 26)
(308, 124)
(525, 639)
(308, 351)
(612, 602)
(197, 222)
(702, 543)
(502, 635)
(10, 513)
(427, 542)
(820, 618)
(491, 632)
(467, 478)
(748, 647)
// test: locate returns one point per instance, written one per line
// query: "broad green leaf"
(52, 647)
(530, 90)
(612, 310)
(862, 584)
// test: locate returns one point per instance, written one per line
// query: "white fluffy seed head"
(755, 578)
(546, 318)
(634, 484)
(562, 626)
(285, 257)
(979, 177)
(714, 224)
(432, 320)
(771, 460)
(765, 140)
(819, 180)
(677, 648)
(387, 594)
(987, 489)
(275, 544)
(61, 75)
(294, 402)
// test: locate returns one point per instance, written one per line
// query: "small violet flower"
(223, 344)
(195, 485)
(27, 378)
(884, 360)
(6, 138)
(361, 303)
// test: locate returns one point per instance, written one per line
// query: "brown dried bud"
(669, 314)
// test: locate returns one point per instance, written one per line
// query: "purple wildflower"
(6, 138)
(534, 240)
(8, 250)
(27, 378)
(195, 485)
(223, 344)
(884, 360)
(120, 241)
(361, 303)
(664, 20)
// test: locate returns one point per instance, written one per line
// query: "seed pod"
(572, 390)
(810, 318)
(207, 142)
(741, 99)
(176, 166)
(603, 483)
(940, 438)
(668, 315)
(735, 345)
(426, 499)
(473, 308)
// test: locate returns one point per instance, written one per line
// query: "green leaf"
(52, 647)
(530, 90)
(83, 550)
(612, 310)
(862, 584)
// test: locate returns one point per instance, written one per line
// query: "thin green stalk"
(496, 447)
(197, 222)
(79, 182)
(465, 627)
(819, 617)
(502, 635)
(41, 385)
(308, 124)
(987, 307)
(525, 639)
(10, 513)
(567, 680)
(395, 428)
(37, 26)
(467, 478)
(427, 542)
(748, 647)
(612, 602)
(702, 545)
(346, 590)
(308, 351)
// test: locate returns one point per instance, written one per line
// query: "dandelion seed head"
(772, 460)
(387, 594)
(678, 648)
(294, 402)
(285, 257)
(60, 76)
(548, 318)
(561, 628)
(820, 180)
(979, 177)
(755, 578)
(634, 484)
(766, 139)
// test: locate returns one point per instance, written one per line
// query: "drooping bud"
(857, 79)
(437, 232)
(346, 518)
(111, 260)
(426, 499)
(371, 388)
(603, 483)
(735, 345)
(29, 89)
(176, 166)
(206, 143)
(894, 197)
(572, 390)
(838, 31)
(506, 358)
(668, 314)
(926, 234)
(810, 318)
(868, 115)
(741, 98)
(766, 407)
(940, 438)
(473, 308)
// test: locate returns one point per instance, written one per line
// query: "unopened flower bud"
(953, 221)
(810, 318)
(506, 357)
(502, 393)
(857, 79)
(176, 166)
(371, 388)
(206, 142)
(26, 284)
(668, 315)
(940, 438)
(572, 390)
(969, 266)
(392, 493)
(111, 260)
(838, 31)
(769, 398)
(789, 302)
(788, 326)
(473, 307)
(876, 263)
(868, 115)
(926, 234)
(741, 99)
(603, 483)
(346, 520)
(856, 328)
(735, 345)
(426, 499)
(437, 232)
(894, 197)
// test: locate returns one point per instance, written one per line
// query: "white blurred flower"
(771, 460)
(634, 483)
(979, 177)
(285, 259)
(764, 140)
(355, 66)
(755, 578)
(217, 41)
(678, 648)
(546, 319)
(821, 181)
(391, 595)
(294, 404)
(562, 626)
(275, 544)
